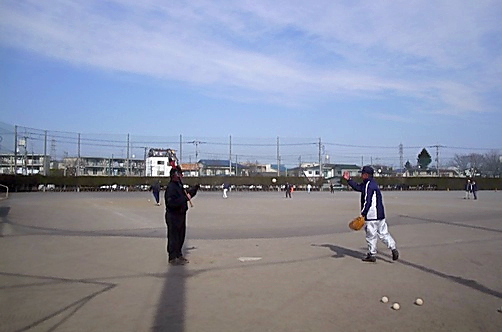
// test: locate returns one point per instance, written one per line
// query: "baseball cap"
(368, 170)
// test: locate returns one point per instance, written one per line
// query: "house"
(342, 168)
(158, 162)
(312, 171)
(217, 167)
(432, 172)
(190, 169)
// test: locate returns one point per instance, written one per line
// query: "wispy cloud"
(292, 51)
(392, 117)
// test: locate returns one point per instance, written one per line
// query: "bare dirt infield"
(97, 262)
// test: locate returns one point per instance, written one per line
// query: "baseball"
(274, 180)
(419, 301)
(396, 306)
(384, 299)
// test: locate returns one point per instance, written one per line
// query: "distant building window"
(160, 162)
(161, 172)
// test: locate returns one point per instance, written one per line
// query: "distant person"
(373, 211)
(309, 188)
(474, 189)
(331, 188)
(226, 188)
(155, 189)
(288, 189)
(468, 189)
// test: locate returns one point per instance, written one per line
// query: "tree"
(408, 166)
(476, 162)
(492, 165)
(471, 164)
(424, 159)
(461, 162)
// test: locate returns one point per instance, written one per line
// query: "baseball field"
(258, 262)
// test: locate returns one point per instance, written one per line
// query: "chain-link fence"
(190, 149)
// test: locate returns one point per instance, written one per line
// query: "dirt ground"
(258, 262)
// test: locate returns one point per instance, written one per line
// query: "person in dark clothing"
(288, 188)
(373, 211)
(176, 199)
(474, 188)
(155, 189)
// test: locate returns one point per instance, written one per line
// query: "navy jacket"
(371, 199)
(175, 198)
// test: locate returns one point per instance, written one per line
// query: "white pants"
(377, 229)
(225, 193)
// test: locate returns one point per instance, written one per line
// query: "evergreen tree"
(424, 159)
(408, 166)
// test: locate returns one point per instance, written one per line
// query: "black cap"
(368, 170)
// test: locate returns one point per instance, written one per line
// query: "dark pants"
(176, 230)
(157, 196)
(288, 193)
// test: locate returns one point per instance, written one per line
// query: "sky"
(362, 76)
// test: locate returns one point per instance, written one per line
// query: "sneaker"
(183, 259)
(176, 261)
(369, 258)
(395, 254)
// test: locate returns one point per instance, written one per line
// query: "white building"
(24, 164)
(157, 162)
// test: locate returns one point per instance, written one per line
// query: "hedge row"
(32, 183)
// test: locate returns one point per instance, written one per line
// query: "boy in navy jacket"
(373, 211)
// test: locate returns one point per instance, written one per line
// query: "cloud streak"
(288, 52)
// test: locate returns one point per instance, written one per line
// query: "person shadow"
(341, 252)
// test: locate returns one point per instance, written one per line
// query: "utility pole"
(437, 146)
(196, 143)
(15, 150)
(320, 158)
(181, 150)
(230, 158)
(278, 159)
(45, 153)
(24, 144)
(78, 157)
(401, 157)
(127, 169)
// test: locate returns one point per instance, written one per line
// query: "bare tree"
(461, 162)
(474, 163)
(492, 165)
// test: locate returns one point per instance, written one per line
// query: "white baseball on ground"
(396, 306)
(419, 301)
(384, 299)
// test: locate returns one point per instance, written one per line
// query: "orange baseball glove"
(357, 223)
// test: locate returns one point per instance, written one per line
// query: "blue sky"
(359, 73)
